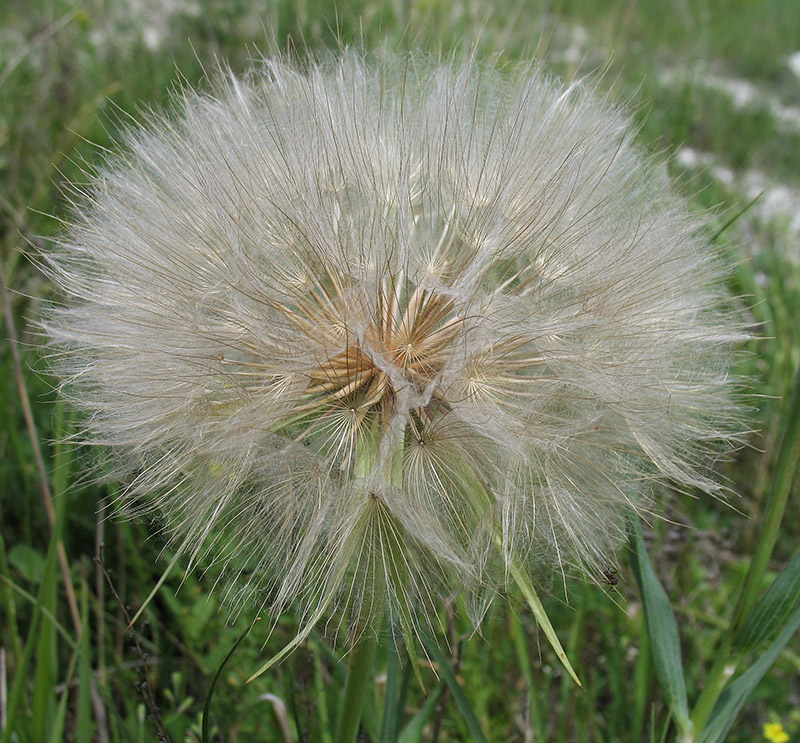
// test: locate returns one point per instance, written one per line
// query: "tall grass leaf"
(207, 706)
(771, 613)
(523, 659)
(662, 630)
(156, 588)
(298, 640)
(57, 727)
(412, 733)
(43, 703)
(737, 216)
(567, 692)
(40, 38)
(83, 725)
(775, 506)
(734, 697)
(460, 698)
(642, 677)
(30, 598)
(8, 602)
(618, 680)
(46, 587)
(320, 693)
(785, 471)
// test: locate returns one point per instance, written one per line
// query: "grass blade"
(412, 733)
(734, 697)
(535, 700)
(156, 588)
(43, 702)
(773, 610)
(780, 487)
(44, 483)
(737, 216)
(642, 681)
(296, 641)
(46, 588)
(60, 716)
(460, 698)
(206, 731)
(785, 471)
(83, 725)
(662, 630)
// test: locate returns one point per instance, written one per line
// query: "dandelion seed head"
(376, 330)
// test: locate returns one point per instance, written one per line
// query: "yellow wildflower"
(774, 733)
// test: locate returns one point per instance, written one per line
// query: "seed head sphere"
(382, 328)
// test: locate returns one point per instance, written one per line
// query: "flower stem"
(363, 653)
(358, 675)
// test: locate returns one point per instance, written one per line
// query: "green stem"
(358, 676)
(785, 469)
(724, 667)
(363, 654)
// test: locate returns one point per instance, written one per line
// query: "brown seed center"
(415, 339)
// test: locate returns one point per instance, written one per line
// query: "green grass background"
(70, 73)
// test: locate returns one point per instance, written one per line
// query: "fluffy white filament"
(376, 330)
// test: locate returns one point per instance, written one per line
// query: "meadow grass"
(71, 668)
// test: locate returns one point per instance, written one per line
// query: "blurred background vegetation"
(714, 85)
